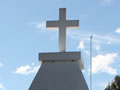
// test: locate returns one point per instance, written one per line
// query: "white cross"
(62, 24)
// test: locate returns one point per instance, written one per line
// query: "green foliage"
(115, 84)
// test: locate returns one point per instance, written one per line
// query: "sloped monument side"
(60, 70)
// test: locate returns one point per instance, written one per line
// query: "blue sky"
(23, 35)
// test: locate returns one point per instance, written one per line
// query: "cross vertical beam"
(62, 30)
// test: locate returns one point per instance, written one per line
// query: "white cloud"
(118, 30)
(108, 1)
(87, 52)
(2, 87)
(33, 64)
(81, 45)
(102, 63)
(108, 42)
(1, 65)
(27, 69)
(97, 47)
(41, 26)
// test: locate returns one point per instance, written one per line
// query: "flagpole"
(91, 62)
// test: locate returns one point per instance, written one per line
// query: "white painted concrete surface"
(59, 76)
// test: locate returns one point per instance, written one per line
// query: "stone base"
(59, 76)
(62, 57)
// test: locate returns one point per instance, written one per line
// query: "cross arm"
(52, 24)
(72, 23)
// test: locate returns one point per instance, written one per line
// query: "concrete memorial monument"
(60, 70)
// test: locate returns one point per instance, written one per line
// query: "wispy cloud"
(108, 1)
(97, 47)
(118, 30)
(27, 69)
(85, 36)
(1, 65)
(41, 26)
(2, 87)
(81, 45)
(98, 39)
(102, 63)
(102, 84)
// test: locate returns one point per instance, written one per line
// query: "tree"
(115, 84)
